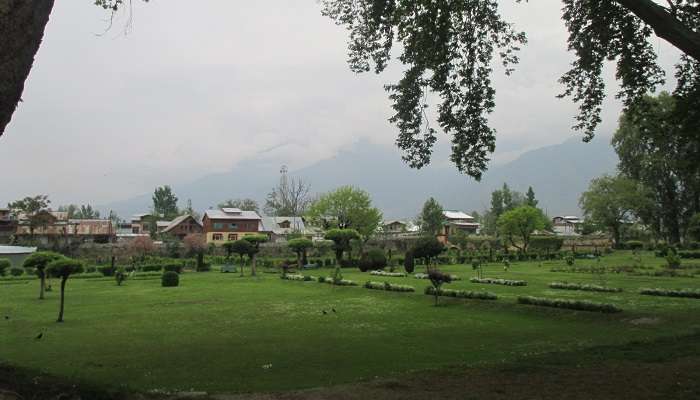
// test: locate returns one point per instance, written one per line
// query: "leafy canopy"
(521, 223)
(346, 208)
(431, 218)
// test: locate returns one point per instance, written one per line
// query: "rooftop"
(231, 213)
(454, 214)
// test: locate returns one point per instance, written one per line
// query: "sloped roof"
(453, 214)
(221, 214)
(177, 221)
(271, 224)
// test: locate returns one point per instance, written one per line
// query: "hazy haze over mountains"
(558, 174)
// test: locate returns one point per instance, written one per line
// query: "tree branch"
(665, 25)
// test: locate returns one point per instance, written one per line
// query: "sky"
(189, 89)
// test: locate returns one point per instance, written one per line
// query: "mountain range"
(557, 173)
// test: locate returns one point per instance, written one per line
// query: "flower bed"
(494, 281)
(582, 305)
(688, 293)
(298, 277)
(584, 287)
(341, 282)
(425, 276)
(461, 294)
(384, 273)
(388, 286)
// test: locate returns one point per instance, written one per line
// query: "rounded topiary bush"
(170, 279)
(16, 271)
(107, 270)
(5, 264)
(408, 263)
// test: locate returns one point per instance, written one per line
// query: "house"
(8, 225)
(567, 225)
(141, 224)
(279, 228)
(229, 224)
(457, 221)
(56, 226)
(395, 227)
(182, 226)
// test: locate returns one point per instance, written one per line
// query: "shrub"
(170, 279)
(340, 282)
(151, 267)
(373, 259)
(298, 277)
(4, 265)
(384, 273)
(633, 245)
(462, 294)
(203, 267)
(120, 276)
(493, 281)
(584, 287)
(408, 263)
(90, 270)
(689, 293)
(569, 260)
(388, 287)
(582, 305)
(421, 275)
(673, 260)
(174, 267)
(106, 270)
(16, 271)
(689, 254)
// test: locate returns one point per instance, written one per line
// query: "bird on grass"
(333, 309)
(324, 312)
(39, 336)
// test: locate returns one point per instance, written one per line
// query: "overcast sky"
(196, 87)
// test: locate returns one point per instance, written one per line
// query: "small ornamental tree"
(141, 245)
(255, 241)
(63, 268)
(521, 223)
(438, 278)
(341, 240)
(38, 261)
(409, 263)
(427, 248)
(120, 276)
(196, 244)
(300, 246)
(242, 248)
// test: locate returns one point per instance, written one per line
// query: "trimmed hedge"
(461, 294)
(421, 275)
(493, 281)
(298, 277)
(581, 305)
(388, 287)
(688, 293)
(584, 287)
(170, 279)
(16, 271)
(342, 282)
(384, 273)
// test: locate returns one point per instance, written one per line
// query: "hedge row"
(384, 273)
(584, 287)
(582, 305)
(388, 286)
(493, 281)
(342, 282)
(690, 293)
(298, 277)
(425, 276)
(462, 294)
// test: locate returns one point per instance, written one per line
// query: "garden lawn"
(223, 333)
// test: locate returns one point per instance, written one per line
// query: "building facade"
(183, 226)
(229, 224)
(458, 221)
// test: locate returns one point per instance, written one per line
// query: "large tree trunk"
(22, 24)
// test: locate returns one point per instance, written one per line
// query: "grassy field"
(222, 333)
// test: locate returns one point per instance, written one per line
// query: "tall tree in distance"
(520, 223)
(530, 199)
(243, 204)
(290, 198)
(431, 218)
(30, 207)
(165, 203)
(346, 208)
(189, 210)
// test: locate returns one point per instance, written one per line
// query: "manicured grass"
(215, 332)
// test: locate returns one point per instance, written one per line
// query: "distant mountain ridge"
(558, 174)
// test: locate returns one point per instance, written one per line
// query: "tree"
(63, 268)
(521, 222)
(530, 198)
(243, 204)
(31, 207)
(609, 202)
(427, 248)
(431, 218)
(300, 246)
(658, 148)
(165, 203)
(141, 245)
(437, 279)
(449, 48)
(196, 244)
(189, 210)
(242, 248)
(341, 240)
(39, 261)
(346, 207)
(290, 198)
(694, 227)
(255, 240)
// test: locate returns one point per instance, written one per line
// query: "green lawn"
(222, 333)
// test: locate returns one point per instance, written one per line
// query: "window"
(232, 237)
(218, 225)
(218, 236)
(232, 226)
(135, 229)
